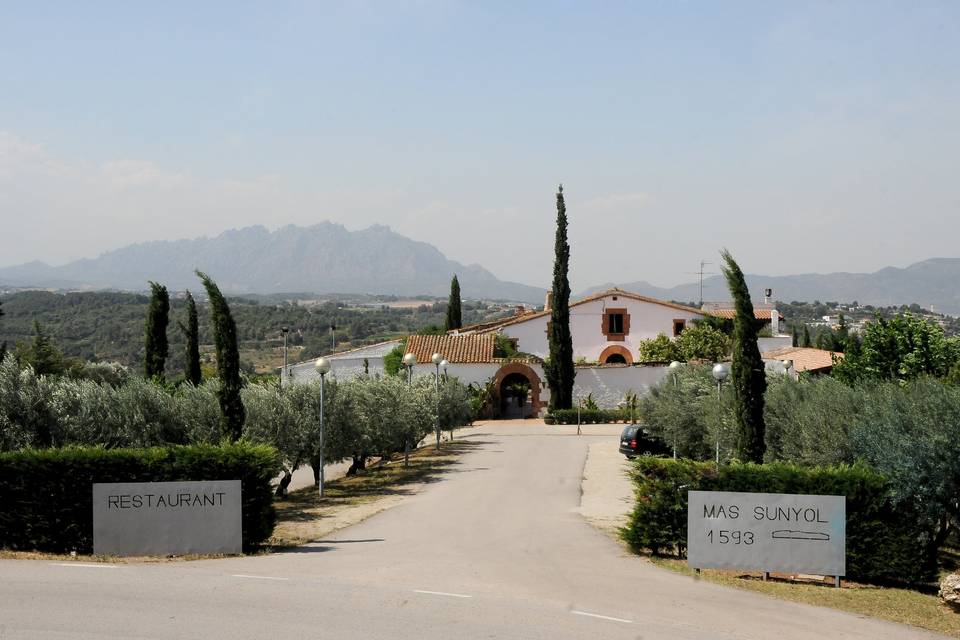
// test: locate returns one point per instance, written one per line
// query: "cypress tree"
(191, 331)
(559, 368)
(805, 341)
(232, 413)
(43, 355)
(3, 346)
(748, 373)
(454, 317)
(158, 316)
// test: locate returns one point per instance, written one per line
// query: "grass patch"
(303, 516)
(898, 605)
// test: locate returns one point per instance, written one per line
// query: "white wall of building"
(610, 385)
(647, 320)
(343, 365)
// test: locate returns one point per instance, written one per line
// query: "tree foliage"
(559, 369)
(191, 332)
(228, 361)
(41, 354)
(659, 349)
(748, 375)
(697, 342)
(454, 313)
(903, 347)
(155, 340)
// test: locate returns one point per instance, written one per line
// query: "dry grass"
(304, 517)
(898, 605)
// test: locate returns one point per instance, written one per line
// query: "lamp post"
(323, 368)
(674, 368)
(283, 374)
(409, 361)
(436, 359)
(443, 365)
(720, 373)
(787, 364)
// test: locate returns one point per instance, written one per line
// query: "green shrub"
(47, 495)
(884, 542)
(586, 416)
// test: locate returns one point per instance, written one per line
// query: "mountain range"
(327, 258)
(931, 283)
(322, 258)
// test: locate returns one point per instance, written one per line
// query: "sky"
(803, 136)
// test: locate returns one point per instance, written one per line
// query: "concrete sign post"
(767, 532)
(167, 518)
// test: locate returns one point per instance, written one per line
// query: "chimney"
(548, 302)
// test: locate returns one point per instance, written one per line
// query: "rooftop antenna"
(701, 273)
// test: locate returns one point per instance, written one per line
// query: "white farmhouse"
(606, 328)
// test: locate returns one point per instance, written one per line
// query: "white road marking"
(90, 565)
(243, 575)
(597, 615)
(442, 593)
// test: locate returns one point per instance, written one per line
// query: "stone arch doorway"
(616, 354)
(519, 389)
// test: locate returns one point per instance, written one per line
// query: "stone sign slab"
(767, 532)
(167, 518)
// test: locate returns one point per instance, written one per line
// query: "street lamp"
(674, 368)
(787, 364)
(720, 373)
(284, 330)
(436, 359)
(443, 365)
(323, 368)
(409, 361)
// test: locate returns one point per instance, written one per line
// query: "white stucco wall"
(647, 320)
(343, 365)
(774, 343)
(609, 385)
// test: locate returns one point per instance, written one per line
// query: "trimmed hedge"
(587, 416)
(884, 541)
(47, 494)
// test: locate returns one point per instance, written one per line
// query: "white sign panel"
(167, 518)
(767, 532)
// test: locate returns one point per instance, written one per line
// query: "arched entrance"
(519, 389)
(616, 354)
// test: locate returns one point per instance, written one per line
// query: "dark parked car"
(635, 441)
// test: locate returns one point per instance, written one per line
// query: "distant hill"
(323, 258)
(934, 282)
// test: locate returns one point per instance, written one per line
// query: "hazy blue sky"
(804, 136)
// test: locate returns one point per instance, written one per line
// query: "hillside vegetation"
(106, 326)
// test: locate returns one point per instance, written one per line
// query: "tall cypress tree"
(748, 373)
(191, 331)
(559, 368)
(232, 413)
(454, 317)
(158, 316)
(3, 346)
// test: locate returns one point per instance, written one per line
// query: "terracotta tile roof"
(759, 314)
(610, 292)
(469, 348)
(804, 358)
